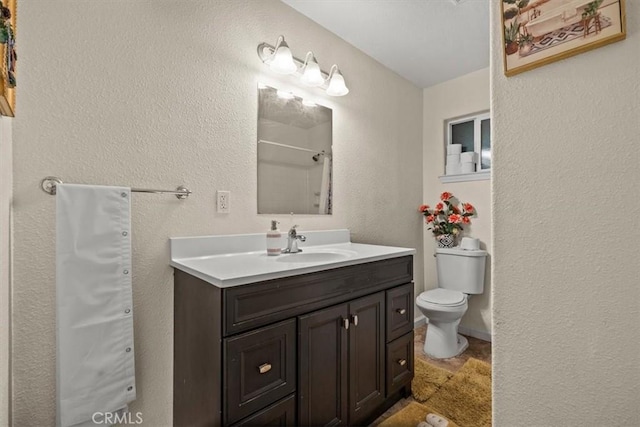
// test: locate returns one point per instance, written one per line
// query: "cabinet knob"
(401, 311)
(354, 320)
(402, 362)
(345, 323)
(264, 368)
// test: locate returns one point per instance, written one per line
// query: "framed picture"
(8, 57)
(538, 32)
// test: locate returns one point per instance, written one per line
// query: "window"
(473, 134)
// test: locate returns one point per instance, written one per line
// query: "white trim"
(481, 335)
(419, 321)
(476, 176)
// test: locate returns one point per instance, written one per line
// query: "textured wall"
(458, 97)
(5, 272)
(162, 93)
(566, 223)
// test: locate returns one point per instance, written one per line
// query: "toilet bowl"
(460, 274)
(443, 308)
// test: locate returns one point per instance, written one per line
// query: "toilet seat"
(443, 297)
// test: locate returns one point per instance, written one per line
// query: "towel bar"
(49, 183)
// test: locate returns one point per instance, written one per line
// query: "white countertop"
(234, 260)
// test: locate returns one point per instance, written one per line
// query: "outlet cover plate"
(222, 201)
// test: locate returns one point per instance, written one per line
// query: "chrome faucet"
(292, 241)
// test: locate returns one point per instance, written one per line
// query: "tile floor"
(478, 349)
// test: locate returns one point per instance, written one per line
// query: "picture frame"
(539, 32)
(8, 59)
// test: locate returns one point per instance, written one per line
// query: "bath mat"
(466, 397)
(463, 398)
(427, 379)
(410, 416)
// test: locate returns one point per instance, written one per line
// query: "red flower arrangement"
(447, 217)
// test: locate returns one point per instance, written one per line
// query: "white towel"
(95, 353)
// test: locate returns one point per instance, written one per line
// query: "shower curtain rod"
(49, 183)
(321, 152)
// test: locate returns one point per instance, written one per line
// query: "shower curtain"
(325, 187)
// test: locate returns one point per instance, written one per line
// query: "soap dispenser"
(274, 245)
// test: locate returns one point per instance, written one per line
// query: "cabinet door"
(366, 356)
(322, 373)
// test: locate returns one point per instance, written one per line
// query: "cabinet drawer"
(259, 368)
(281, 414)
(251, 306)
(399, 311)
(399, 363)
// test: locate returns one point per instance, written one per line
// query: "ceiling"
(425, 41)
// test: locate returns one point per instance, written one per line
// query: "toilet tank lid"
(461, 252)
(442, 296)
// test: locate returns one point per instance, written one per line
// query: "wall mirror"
(294, 154)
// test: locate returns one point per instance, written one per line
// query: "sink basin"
(327, 255)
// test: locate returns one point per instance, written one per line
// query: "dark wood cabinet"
(366, 356)
(322, 369)
(341, 363)
(327, 348)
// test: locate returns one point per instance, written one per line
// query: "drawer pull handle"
(345, 323)
(401, 311)
(354, 320)
(264, 368)
(402, 362)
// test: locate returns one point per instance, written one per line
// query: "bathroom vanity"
(323, 337)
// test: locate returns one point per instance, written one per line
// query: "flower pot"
(446, 240)
(525, 49)
(511, 48)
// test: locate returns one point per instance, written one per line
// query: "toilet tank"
(461, 270)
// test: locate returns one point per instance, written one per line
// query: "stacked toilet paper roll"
(453, 166)
(468, 162)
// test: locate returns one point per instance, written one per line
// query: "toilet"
(460, 275)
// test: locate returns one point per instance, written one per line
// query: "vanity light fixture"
(280, 60)
(337, 87)
(311, 75)
(284, 94)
